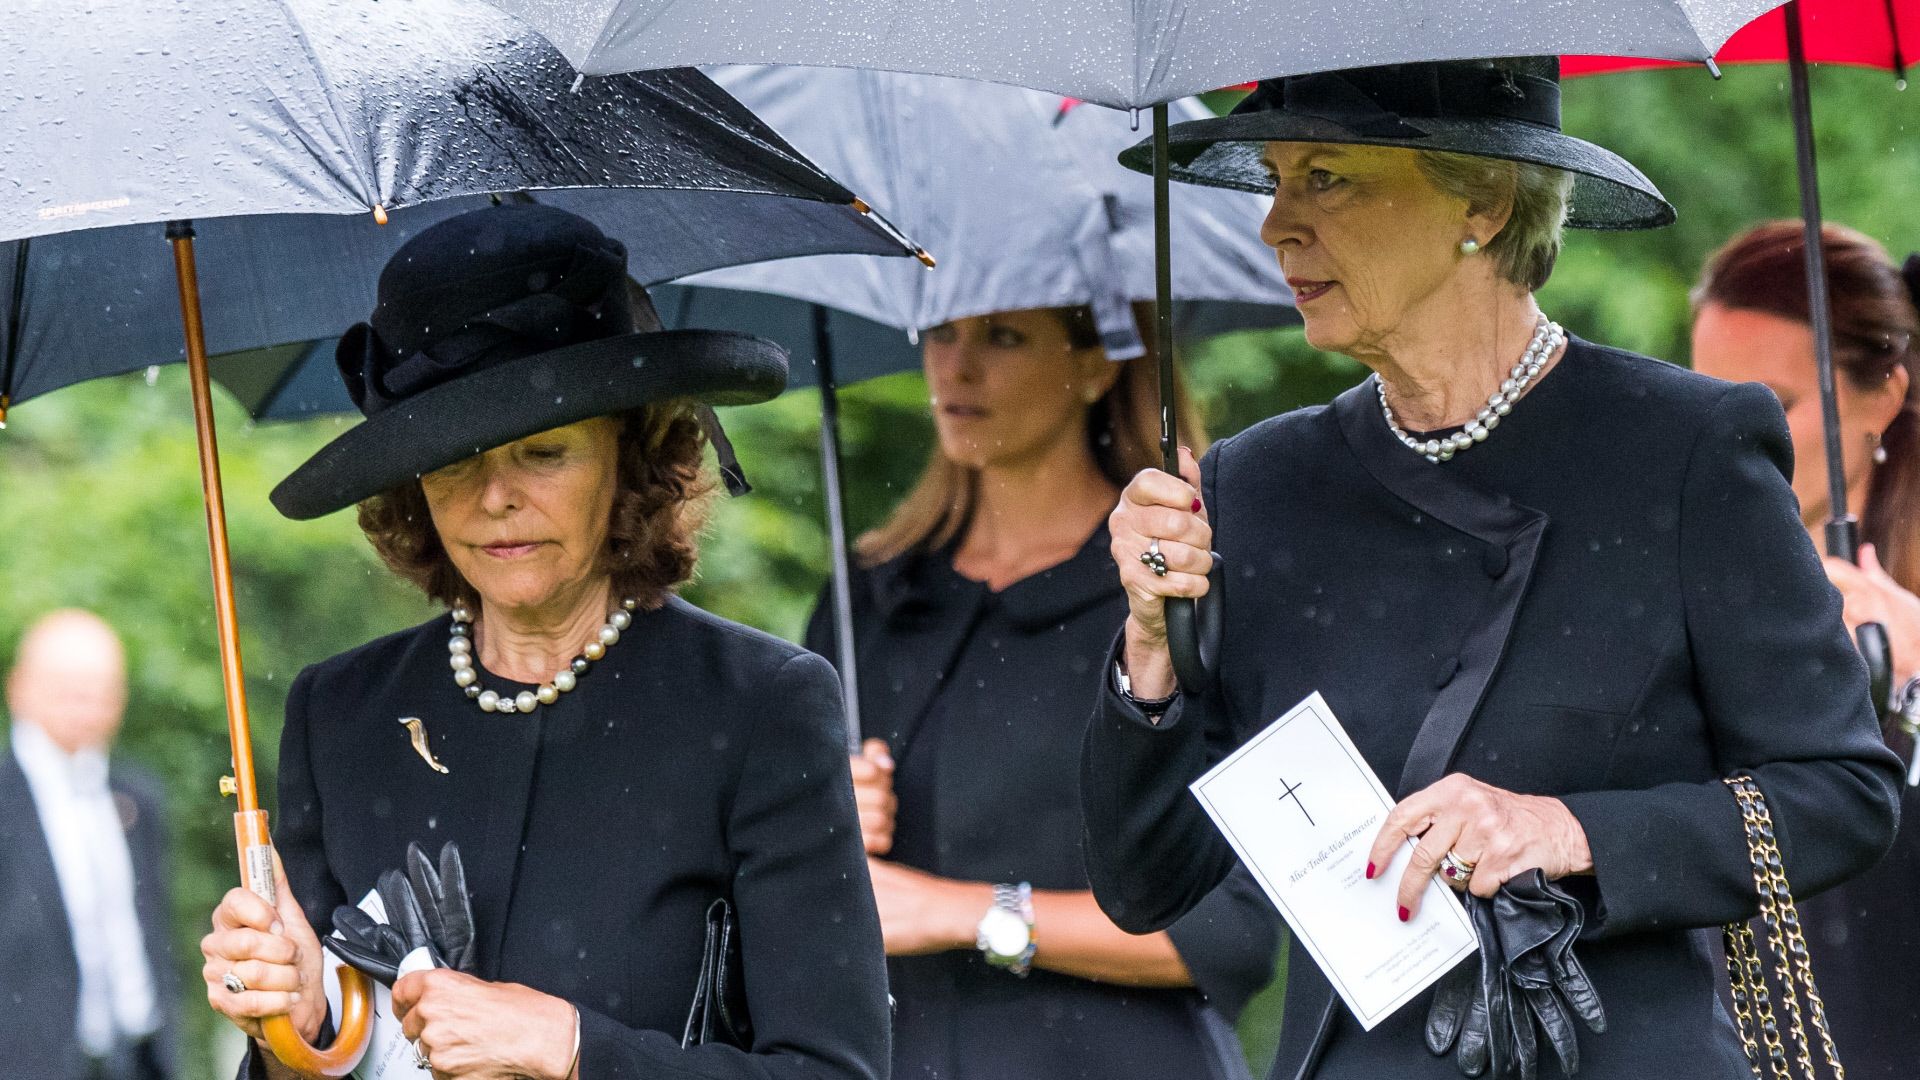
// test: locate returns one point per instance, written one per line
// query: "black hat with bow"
(502, 323)
(1508, 109)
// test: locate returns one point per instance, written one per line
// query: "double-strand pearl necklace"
(1547, 337)
(467, 677)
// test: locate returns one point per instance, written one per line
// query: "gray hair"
(1525, 249)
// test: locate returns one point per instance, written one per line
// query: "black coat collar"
(922, 584)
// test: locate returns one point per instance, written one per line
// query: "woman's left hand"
(468, 1027)
(1501, 834)
(921, 913)
(1872, 595)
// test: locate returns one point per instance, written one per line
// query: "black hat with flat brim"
(1506, 109)
(499, 324)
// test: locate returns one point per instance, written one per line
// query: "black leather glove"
(1538, 924)
(1527, 974)
(377, 948)
(443, 901)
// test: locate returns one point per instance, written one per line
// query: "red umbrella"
(1863, 33)
(1859, 33)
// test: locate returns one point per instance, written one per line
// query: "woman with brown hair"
(1751, 324)
(982, 610)
(609, 760)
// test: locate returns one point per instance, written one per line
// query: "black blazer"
(698, 759)
(39, 974)
(1612, 601)
(982, 698)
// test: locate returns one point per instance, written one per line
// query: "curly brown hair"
(659, 506)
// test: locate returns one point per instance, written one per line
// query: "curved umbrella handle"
(355, 1024)
(1194, 627)
(1877, 651)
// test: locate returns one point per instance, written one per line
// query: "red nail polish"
(1196, 506)
(1405, 914)
(1369, 871)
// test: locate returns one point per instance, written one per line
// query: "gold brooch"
(418, 730)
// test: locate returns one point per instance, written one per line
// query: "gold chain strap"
(1793, 966)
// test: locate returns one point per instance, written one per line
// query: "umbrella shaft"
(226, 620)
(1842, 538)
(836, 525)
(1163, 293)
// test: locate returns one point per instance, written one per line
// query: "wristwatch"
(1005, 933)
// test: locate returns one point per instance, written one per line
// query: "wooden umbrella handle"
(355, 1023)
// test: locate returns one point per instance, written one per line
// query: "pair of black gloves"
(1527, 977)
(427, 908)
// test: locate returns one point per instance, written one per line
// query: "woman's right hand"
(1157, 506)
(873, 795)
(274, 952)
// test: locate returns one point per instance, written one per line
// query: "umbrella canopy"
(1122, 53)
(1021, 194)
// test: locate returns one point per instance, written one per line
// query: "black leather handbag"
(719, 1012)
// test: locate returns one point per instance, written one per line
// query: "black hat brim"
(1224, 151)
(494, 406)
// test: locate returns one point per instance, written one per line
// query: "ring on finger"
(234, 983)
(1154, 560)
(1455, 869)
(420, 1056)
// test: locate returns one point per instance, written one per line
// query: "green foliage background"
(100, 505)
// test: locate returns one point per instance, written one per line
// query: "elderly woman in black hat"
(609, 759)
(1555, 592)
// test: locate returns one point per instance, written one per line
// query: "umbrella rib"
(368, 192)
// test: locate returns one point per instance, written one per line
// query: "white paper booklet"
(1302, 807)
(389, 1053)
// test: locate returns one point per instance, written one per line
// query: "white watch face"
(1004, 932)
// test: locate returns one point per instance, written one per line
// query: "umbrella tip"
(926, 259)
(1713, 69)
(5, 400)
(860, 205)
(379, 214)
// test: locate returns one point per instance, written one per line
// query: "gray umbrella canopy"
(1123, 53)
(1019, 192)
(268, 121)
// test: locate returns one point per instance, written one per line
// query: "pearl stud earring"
(1879, 448)
(1469, 246)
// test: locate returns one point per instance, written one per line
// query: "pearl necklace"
(467, 677)
(1547, 336)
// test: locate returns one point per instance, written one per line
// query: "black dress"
(698, 759)
(982, 697)
(1611, 601)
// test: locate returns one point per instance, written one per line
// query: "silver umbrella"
(1020, 193)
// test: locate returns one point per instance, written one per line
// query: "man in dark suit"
(86, 982)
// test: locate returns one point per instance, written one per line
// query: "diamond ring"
(1455, 869)
(233, 983)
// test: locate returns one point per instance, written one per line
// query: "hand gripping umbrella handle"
(1193, 635)
(356, 1015)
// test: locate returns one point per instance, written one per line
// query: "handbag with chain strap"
(1782, 941)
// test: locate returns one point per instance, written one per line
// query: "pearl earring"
(1469, 246)
(1879, 450)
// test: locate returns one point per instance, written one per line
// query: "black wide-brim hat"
(499, 324)
(1506, 109)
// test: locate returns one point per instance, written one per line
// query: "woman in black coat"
(1555, 592)
(1751, 324)
(609, 759)
(980, 622)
